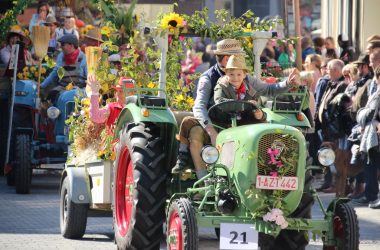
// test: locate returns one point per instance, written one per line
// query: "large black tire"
(292, 239)
(346, 228)
(139, 188)
(72, 216)
(23, 167)
(182, 229)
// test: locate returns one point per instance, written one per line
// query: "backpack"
(339, 122)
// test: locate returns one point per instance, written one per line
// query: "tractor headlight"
(326, 156)
(209, 154)
(53, 112)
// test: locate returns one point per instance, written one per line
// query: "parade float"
(257, 193)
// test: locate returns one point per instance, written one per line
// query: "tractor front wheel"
(346, 228)
(182, 230)
(139, 188)
(23, 169)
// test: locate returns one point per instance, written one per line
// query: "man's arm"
(53, 76)
(200, 107)
(201, 102)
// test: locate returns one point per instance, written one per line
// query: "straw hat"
(16, 29)
(51, 20)
(363, 59)
(228, 47)
(94, 34)
(236, 62)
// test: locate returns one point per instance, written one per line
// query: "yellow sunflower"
(190, 101)
(172, 21)
(151, 85)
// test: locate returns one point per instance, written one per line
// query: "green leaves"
(61, 72)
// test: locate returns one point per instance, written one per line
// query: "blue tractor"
(38, 137)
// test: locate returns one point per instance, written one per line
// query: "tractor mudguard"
(335, 202)
(79, 184)
(133, 113)
(289, 119)
(26, 92)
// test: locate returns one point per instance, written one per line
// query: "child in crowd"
(68, 28)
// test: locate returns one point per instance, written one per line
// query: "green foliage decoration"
(10, 16)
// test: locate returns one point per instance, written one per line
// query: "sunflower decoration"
(31, 73)
(172, 22)
(182, 101)
(84, 30)
(248, 40)
(108, 29)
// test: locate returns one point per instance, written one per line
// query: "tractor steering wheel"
(222, 113)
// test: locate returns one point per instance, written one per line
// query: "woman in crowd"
(39, 18)
(16, 35)
(313, 64)
(287, 58)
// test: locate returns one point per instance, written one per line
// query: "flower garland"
(282, 160)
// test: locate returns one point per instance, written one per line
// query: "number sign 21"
(238, 236)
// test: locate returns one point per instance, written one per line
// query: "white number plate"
(276, 183)
(238, 236)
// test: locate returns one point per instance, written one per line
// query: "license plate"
(276, 183)
(238, 236)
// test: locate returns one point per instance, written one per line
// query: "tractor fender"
(79, 184)
(335, 202)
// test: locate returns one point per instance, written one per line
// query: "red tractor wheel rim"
(338, 228)
(124, 191)
(175, 232)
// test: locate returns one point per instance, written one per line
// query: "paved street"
(32, 222)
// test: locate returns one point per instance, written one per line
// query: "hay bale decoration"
(93, 57)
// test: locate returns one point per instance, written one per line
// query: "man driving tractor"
(197, 131)
(73, 61)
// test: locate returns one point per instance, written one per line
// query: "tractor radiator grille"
(266, 142)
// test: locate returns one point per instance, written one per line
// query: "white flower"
(269, 217)
(280, 220)
(284, 225)
(277, 212)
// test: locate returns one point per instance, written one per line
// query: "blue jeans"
(370, 171)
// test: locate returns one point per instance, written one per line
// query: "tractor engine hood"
(247, 151)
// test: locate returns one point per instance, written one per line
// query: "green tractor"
(257, 192)
(255, 170)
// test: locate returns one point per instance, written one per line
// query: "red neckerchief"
(240, 92)
(71, 58)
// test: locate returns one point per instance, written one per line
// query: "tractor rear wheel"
(139, 188)
(346, 228)
(23, 169)
(182, 230)
(292, 239)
